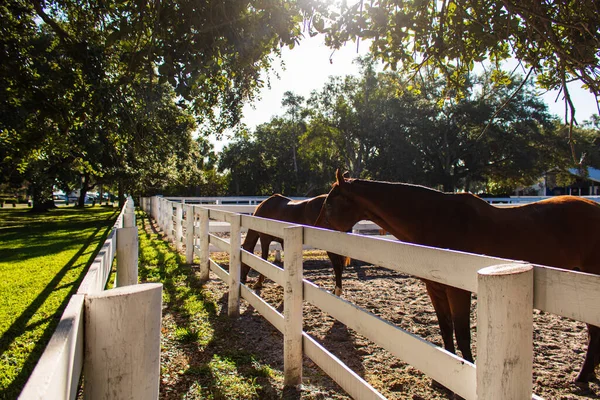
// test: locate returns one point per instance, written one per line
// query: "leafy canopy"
(557, 40)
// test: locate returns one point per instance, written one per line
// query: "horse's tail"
(249, 244)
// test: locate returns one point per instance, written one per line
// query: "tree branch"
(64, 36)
(503, 106)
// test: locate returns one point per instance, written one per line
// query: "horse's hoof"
(583, 379)
(338, 291)
(583, 385)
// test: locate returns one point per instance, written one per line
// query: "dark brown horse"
(304, 212)
(559, 232)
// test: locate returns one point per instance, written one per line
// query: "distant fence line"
(111, 336)
(255, 200)
(507, 292)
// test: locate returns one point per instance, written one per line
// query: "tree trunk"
(121, 194)
(42, 198)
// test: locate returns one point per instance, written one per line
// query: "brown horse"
(304, 212)
(559, 232)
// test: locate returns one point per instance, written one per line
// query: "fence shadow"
(20, 325)
(227, 341)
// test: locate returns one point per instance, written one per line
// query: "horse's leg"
(460, 306)
(338, 262)
(439, 299)
(248, 245)
(591, 358)
(265, 242)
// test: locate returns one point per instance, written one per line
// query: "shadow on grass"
(51, 232)
(20, 325)
(225, 344)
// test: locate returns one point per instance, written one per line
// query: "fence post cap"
(505, 269)
(126, 290)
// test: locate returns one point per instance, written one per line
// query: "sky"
(308, 66)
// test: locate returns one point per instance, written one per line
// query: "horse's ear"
(346, 174)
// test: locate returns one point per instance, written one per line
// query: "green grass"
(215, 369)
(43, 258)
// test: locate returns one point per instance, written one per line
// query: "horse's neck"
(398, 208)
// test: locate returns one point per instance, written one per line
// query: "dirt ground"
(559, 343)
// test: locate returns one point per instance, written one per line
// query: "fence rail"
(501, 370)
(242, 201)
(86, 341)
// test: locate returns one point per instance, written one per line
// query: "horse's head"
(340, 211)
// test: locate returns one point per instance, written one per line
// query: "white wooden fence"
(507, 293)
(112, 336)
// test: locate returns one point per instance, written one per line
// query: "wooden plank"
(265, 225)
(127, 257)
(263, 308)
(349, 380)
(556, 290)
(275, 228)
(220, 272)
(444, 367)
(214, 200)
(571, 294)
(220, 227)
(236, 208)
(179, 226)
(266, 268)
(450, 267)
(122, 342)
(203, 239)
(56, 375)
(220, 215)
(292, 306)
(91, 278)
(504, 305)
(221, 244)
(189, 234)
(233, 299)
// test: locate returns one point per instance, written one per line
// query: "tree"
(75, 79)
(384, 131)
(557, 40)
(293, 103)
(210, 52)
(243, 160)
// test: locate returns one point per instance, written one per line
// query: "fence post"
(160, 214)
(189, 234)
(292, 305)
(235, 243)
(505, 332)
(178, 226)
(122, 343)
(170, 235)
(204, 244)
(127, 256)
(163, 213)
(128, 218)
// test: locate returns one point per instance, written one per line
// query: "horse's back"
(285, 209)
(270, 207)
(559, 231)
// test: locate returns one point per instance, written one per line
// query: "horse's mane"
(392, 185)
